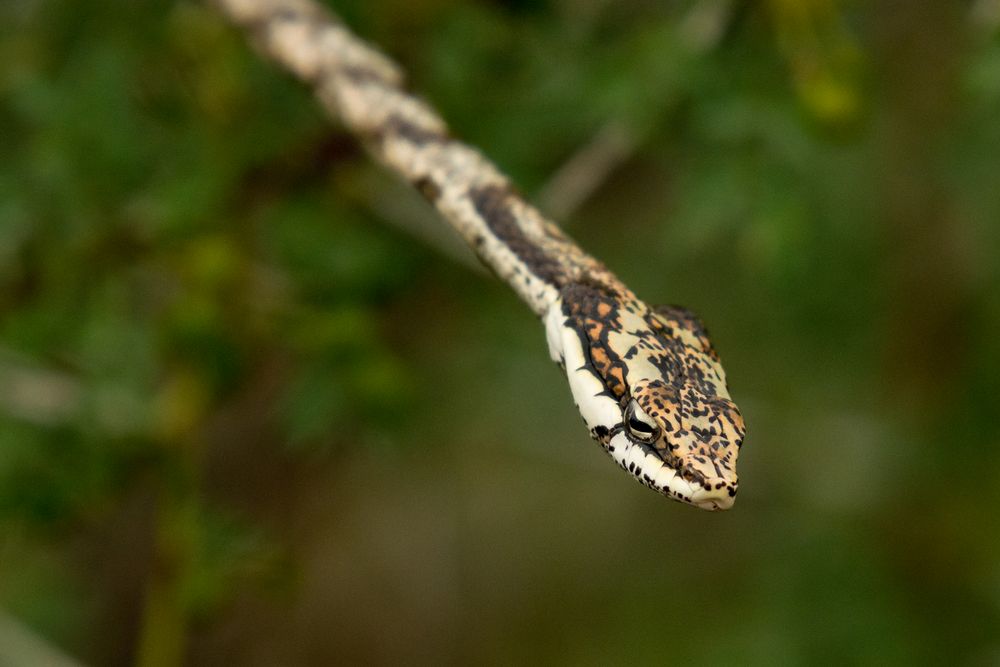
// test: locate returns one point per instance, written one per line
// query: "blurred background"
(257, 407)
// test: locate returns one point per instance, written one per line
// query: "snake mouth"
(712, 500)
(674, 479)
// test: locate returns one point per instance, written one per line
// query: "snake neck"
(366, 91)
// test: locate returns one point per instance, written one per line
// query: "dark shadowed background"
(257, 409)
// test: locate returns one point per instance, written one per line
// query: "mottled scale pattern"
(647, 381)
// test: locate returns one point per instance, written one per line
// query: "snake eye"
(640, 425)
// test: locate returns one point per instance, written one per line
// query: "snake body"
(646, 380)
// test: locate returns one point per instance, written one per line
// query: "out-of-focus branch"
(35, 394)
(403, 208)
(986, 15)
(589, 168)
(586, 170)
(705, 24)
(20, 647)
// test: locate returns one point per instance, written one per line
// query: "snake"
(646, 379)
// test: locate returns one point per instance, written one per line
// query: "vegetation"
(247, 417)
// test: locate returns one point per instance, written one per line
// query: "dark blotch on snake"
(493, 205)
(427, 188)
(404, 129)
(360, 75)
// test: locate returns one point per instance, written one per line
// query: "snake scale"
(647, 380)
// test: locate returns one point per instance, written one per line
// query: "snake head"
(697, 437)
(652, 391)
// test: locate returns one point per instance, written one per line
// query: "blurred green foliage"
(245, 421)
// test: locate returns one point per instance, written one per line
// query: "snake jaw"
(672, 478)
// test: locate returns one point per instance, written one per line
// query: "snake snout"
(713, 480)
(715, 494)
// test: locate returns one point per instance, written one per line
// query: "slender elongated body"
(646, 380)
